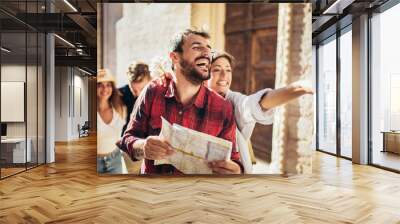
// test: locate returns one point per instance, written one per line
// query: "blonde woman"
(110, 121)
(250, 109)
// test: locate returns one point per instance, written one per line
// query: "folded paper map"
(194, 149)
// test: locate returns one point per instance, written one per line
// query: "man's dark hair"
(179, 39)
(222, 54)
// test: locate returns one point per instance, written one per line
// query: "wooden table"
(391, 141)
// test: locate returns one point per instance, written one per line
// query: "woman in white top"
(110, 120)
(252, 109)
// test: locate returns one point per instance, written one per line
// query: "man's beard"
(192, 74)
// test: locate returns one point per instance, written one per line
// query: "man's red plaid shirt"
(209, 113)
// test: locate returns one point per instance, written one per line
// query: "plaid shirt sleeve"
(137, 127)
(229, 133)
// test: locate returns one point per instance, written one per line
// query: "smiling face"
(221, 76)
(104, 90)
(194, 60)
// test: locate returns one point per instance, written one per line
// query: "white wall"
(145, 31)
(111, 14)
(80, 108)
(70, 83)
(61, 103)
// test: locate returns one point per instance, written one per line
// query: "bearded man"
(185, 101)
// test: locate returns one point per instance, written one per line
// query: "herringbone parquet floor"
(70, 191)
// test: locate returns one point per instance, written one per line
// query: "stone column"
(210, 16)
(293, 124)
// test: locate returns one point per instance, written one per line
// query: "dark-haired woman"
(110, 120)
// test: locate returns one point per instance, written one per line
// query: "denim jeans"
(110, 163)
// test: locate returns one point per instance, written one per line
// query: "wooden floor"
(70, 191)
(10, 171)
(5, 172)
(387, 159)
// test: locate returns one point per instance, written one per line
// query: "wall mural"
(185, 98)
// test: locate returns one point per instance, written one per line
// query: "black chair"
(84, 130)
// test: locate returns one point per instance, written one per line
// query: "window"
(22, 67)
(327, 96)
(385, 88)
(346, 93)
